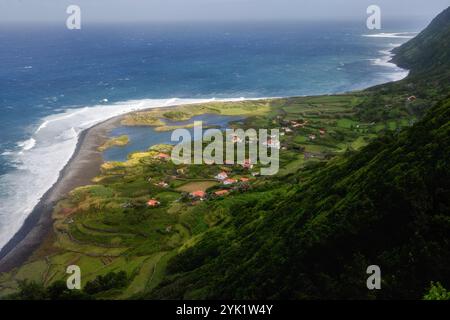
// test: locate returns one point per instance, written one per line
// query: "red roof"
(245, 179)
(221, 192)
(152, 203)
(198, 194)
(223, 174)
(163, 156)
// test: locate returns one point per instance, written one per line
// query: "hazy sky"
(181, 10)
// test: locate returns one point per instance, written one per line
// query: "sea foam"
(395, 35)
(393, 72)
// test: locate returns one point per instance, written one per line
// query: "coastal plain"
(106, 225)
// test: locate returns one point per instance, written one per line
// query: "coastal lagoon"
(55, 83)
(141, 138)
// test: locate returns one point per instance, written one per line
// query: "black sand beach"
(80, 170)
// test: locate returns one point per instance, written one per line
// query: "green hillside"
(387, 205)
(429, 51)
(427, 57)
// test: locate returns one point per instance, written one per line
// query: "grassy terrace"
(108, 226)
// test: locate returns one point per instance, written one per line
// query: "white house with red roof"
(222, 176)
(153, 203)
(229, 181)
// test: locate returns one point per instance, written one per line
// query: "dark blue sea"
(55, 82)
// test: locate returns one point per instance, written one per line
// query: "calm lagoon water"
(141, 138)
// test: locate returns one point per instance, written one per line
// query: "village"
(137, 214)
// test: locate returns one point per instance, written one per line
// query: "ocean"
(55, 83)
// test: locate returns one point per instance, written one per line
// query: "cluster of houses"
(272, 142)
(298, 124)
(223, 177)
(301, 124)
(226, 180)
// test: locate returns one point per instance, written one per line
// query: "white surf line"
(40, 161)
(394, 35)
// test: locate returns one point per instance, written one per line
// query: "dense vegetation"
(429, 51)
(437, 292)
(32, 290)
(388, 205)
(427, 56)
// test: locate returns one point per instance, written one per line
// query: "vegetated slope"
(427, 57)
(388, 205)
(430, 50)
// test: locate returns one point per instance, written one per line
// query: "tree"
(30, 290)
(437, 292)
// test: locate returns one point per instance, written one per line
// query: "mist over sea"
(54, 83)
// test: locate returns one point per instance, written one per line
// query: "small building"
(272, 143)
(198, 194)
(221, 193)
(162, 184)
(153, 203)
(229, 181)
(312, 137)
(222, 176)
(236, 139)
(162, 156)
(299, 124)
(322, 132)
(243, 179)
(412, 98)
